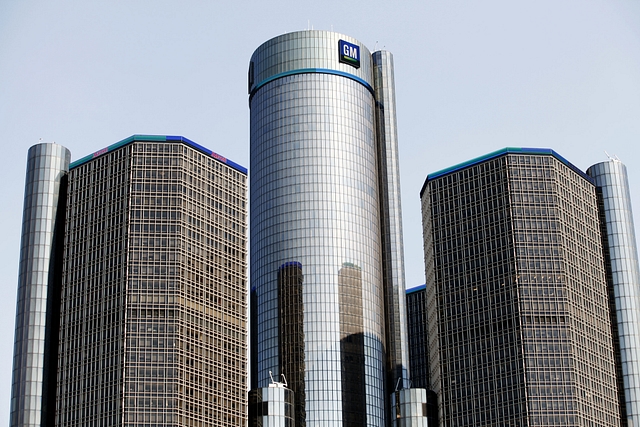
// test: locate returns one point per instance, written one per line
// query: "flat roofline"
(415, 289)
(500, 153)
(159, 138)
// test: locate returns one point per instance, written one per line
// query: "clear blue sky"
(471, 77)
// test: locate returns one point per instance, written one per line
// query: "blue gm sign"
(349, 53)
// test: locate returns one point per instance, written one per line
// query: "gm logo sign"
(349, 53)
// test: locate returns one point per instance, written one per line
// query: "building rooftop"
(499, 153)
(416, 289)
(159, 138)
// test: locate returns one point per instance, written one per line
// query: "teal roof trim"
(415, 289)
(500, 153)
(158, 138)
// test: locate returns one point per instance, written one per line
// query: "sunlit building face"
(325, 226)
(517, 304)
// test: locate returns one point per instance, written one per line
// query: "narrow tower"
(35, 348)
(623, 278)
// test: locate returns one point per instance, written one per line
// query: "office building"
(327, 273)
(417, 335)
(623, 279)
(144, 292)
(517, 302)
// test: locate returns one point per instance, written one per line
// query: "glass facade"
(271, 406)
(391, 214)
(151, 267)
(410, 407)
(352, 345)
(324, 194)
(621, 258)
(517, 305)
(153, 324)
(291, 351)
(418, 342)
(32, 394)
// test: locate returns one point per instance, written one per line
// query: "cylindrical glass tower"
(391, 214)
(35, 347)
(621, 257)
(316, 205)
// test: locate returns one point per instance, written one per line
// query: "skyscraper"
(623, 278)
(39, 277)
(325, 214)
(516, 293)
(146, 311)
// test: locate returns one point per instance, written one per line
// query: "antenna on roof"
(613, 158)
(275, 383)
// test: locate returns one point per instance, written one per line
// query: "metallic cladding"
(391, 213)
(32, 403)
(306, 50)
(325, 196)
(621, 256)
(315, 201)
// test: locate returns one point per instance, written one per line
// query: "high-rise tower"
(623, 278)
(145, 306)
(325, 198)
(518, 310)
(39, 275)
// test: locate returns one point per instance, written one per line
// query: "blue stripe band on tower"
(309, 71)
